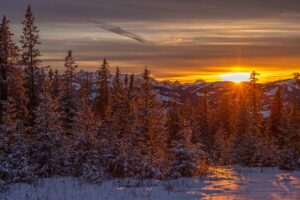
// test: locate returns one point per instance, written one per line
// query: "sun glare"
(236, 77)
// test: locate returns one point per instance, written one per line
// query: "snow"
(219, 84)
(76, 86)
(201, 86)
(166, 98)
(200, 94)
(289, 82)
(203, 94)
(265, 113)
(271, 92)
(221, 183)
(290, 89)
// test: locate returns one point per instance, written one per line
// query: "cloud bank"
(191, 37)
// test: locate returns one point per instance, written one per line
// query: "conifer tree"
(67, 98)
(201, 132)
(16, 106)
(276, 126)
(225, 128)
(255, 104)
(118, 108)
(244, 140)
(297, 78)
(8, 56)
(116, 137)
(174, 125)
(31, 61)
(129, 134)
(150, 128)
(185, 159)
(102, 100)
(87, 160)
(15, 166)
(293, 139)
(68, 108)
(290, 151)
(87, 151)
(55, 85)
(45, 144)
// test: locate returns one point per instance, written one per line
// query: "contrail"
(118, 30)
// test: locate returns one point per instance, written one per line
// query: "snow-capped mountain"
(175, 91)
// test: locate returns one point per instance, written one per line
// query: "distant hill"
(175, 91)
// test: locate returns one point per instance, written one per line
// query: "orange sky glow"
(178, 40)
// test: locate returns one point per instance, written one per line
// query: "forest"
(116, 126)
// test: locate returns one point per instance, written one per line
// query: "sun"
(236, 77)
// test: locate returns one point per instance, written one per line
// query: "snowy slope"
(175, 91)
(221, 183)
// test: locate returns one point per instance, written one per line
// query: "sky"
(182, 40)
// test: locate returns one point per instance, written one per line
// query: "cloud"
(118, 30)
(191, 36)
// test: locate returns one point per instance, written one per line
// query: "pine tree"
(276, 121)
(86, 160)
(67, 98)
(46, 141)
(201, 131)
(297, 78)
(150, 128)
(118, 105)
(255, 100)
(31, 61)
(18, 159)
(8, 56)
(174, 124)
(114, 130)
(16, 106)
(15, 165)
(244, 148)
(129, 134)
(102, 100)
(55, 85)
(294, 126)
(290, 152)
(224, 121)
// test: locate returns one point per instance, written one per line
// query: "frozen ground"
(222, 183)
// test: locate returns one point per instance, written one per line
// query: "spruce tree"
(224, 123)
(255, 104)
(68, 114)
(116, 137)
(45, 144)
(86, 160)
(102, 100)
(55, 85)
(276, 121)
(31, 61)
(244, 139)
(8, 57)
(185, 159)
(150, 128)
(174, 124)
(67, 97)
(200, 122)
(296, 77)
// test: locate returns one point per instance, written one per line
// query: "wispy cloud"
(120, 31)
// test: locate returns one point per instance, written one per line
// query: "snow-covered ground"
(222, 183)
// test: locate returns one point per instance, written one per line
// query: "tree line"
(116, 125)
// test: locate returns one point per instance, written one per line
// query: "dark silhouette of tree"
(8, 56)
(103, 93)
(31, 61)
